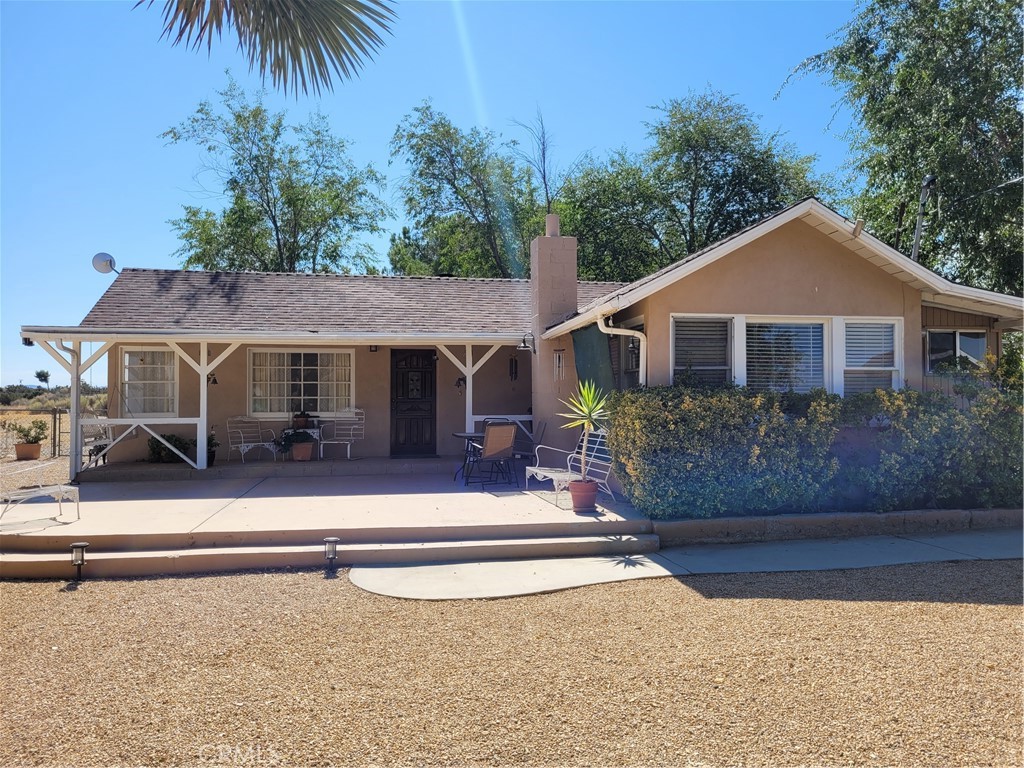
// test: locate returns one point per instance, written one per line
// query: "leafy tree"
(291, 206)
(299, 41)
(936, 88)
(718, 171)
(43, 377)
(614, 211)
(474, 208)
(709, 172)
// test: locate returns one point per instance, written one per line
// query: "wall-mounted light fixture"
(211, 378)
(460, 383)
(373, 347)
(528, 344)
(78, 557)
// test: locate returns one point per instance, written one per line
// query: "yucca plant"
(587, 409)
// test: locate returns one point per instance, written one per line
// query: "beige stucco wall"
(792, 271)
(494, 393)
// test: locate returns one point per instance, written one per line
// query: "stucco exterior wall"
(494, 393)
(794, 271)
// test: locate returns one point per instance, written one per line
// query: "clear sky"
(86, 89)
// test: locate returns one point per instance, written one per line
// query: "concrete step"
(107, 564)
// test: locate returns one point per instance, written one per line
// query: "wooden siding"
(951, 320)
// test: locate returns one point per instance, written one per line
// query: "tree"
(709, 172)
(936, 88)
(291, 206)
(718, 172)
(472, 206)
(299, 41)
(44, 377)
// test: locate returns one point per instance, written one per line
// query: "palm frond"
(300, 43)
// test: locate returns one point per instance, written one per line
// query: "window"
(870, 357)
(149, 382)
(701, 350)
(947, 349)
(286, 382)
(785, 356)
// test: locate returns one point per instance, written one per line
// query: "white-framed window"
(149, 381)
(702, 350)
(286, 381)
(871, 361)
(947, 349)
(785, 355)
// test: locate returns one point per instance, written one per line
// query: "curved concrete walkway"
(506, 578)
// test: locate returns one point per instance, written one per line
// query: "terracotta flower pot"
(584, 495)
(302, 451)
(27, 451)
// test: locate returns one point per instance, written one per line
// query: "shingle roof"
(148, 299)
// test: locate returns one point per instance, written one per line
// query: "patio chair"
(343, 430)
(496, 452)
(599, 464)
(246, 434)
(526, 446)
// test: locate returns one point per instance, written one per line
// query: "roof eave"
(133, 335)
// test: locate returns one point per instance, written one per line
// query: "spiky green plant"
(587, 409)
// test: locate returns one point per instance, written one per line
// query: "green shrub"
(161, 454)
(34, 433)
(688, 453)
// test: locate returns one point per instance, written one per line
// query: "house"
(802, 299)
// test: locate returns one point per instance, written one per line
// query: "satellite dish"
(104, 263)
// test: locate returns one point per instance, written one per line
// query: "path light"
(78, 556)
(331, 550)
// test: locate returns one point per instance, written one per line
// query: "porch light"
(78, 557)
(211, 378)
(460, 383)
(528, 344)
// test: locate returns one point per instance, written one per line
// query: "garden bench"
(599, 464)
(57, 491)
(246, 434)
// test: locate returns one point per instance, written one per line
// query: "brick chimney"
(553, 298)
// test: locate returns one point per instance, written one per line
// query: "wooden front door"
(413, 403)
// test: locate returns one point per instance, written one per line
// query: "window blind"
(702, 350)
(785, 356)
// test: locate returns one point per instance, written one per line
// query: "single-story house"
(802, 299)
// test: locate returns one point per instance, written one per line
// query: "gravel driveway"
(910, 665)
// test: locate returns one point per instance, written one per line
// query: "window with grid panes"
(288, 382)
(149, 382)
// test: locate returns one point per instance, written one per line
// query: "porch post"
(76, 408)
(469, 388)
(203, 430)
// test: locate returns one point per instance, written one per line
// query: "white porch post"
(76, 408)
(203, 430)
(469, 388)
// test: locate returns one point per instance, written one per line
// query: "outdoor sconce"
(634, 345)
(528, 344)
(373, 347)
(460, 383)
(211, 378)
(331, 551)
(78, 556)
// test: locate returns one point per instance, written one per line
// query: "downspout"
(76, 397)
(641, 338)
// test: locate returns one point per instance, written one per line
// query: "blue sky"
(86, 89)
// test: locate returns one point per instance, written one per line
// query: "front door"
(413, 406)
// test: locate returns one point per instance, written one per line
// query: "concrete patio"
(173, 526)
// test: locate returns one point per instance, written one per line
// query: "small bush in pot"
(587, 409)
(298, 443)
(30, 437)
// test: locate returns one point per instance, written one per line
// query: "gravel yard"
(911, 665)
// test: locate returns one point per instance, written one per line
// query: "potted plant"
(30, 436)
(212, 444)
(298, 443)
(587, 409)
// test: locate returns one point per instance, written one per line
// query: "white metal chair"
(343, 430)
(58, 492)
(246, 434)
(599, 464)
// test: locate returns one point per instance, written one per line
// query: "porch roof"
(148, 303)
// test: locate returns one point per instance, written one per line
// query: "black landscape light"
(331, 550)
(78, 556)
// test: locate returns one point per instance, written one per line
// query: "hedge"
(683, 452)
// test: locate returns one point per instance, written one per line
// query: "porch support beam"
(55, 355)
(202, 429)
(96, 355)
